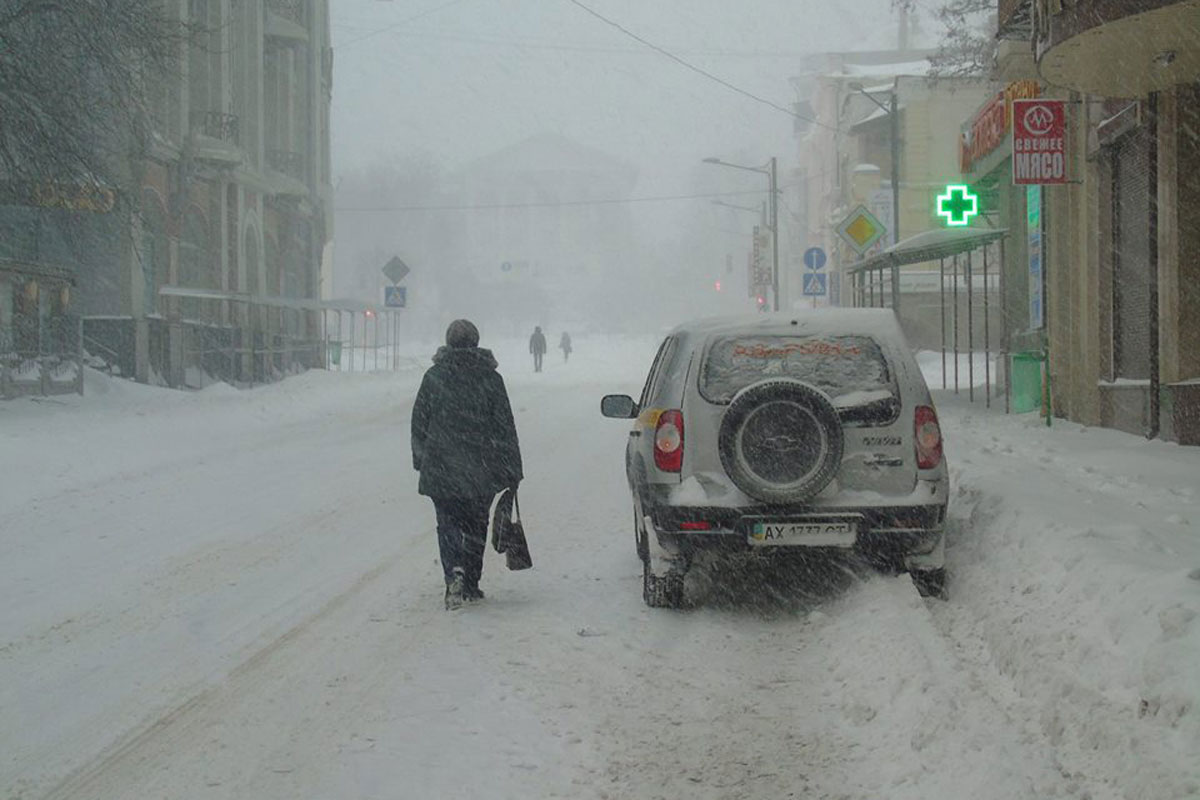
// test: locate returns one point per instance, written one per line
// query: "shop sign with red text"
(1039, 142)
(987, 130)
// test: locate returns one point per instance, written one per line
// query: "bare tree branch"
(73, 85)
(968, 46)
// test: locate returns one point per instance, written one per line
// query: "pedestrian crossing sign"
(814, 284)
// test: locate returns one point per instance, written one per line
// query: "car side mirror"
(619, 406)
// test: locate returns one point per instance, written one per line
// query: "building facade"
(547, 234)
(206, 264)
(1119, 245)
(876, 115)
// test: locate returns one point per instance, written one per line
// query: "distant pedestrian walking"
(564, 344)
(537, 346)
(464, 444)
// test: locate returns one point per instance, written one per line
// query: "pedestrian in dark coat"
(464, 444)
(537, 346)
(564, 344)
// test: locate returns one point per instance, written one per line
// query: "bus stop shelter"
(959, 252)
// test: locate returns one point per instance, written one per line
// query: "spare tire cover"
(781, 441)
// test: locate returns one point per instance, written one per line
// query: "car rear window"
(850, 369)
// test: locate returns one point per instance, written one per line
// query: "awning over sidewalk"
(929, 246)
(299, 303)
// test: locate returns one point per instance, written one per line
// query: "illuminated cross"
(957, 205)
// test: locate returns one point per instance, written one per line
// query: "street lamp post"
(769, 171)
(894, 140)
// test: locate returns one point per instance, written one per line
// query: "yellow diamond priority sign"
(861, 229)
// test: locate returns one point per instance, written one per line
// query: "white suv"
(773, 433)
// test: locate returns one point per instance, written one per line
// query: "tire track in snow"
(861, 697)
(168, 730)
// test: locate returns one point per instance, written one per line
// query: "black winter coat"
(537, 344)
(464, 441)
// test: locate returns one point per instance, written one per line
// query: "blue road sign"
(395, 296)
(814, 284)
(814, 258)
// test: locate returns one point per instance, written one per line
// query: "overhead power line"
(698, 70)
(558, 204)
(399, 24)
(579, 47)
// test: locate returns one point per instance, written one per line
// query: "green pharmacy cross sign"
(957, 205)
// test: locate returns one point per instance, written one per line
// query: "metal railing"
(218, 125)
(288, 9)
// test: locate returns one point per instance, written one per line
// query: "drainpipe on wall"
(1155, 401)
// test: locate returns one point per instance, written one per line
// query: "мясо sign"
(1039, 142)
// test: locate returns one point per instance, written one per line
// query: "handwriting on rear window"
(797, 348)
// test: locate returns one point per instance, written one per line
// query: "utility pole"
(893, 111)
(773, 188)
(894, 119)
(774, 236)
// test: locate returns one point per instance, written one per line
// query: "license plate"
(812, 533)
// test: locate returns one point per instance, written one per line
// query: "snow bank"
(1075, 560)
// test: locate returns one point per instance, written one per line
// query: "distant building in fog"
(548, 225)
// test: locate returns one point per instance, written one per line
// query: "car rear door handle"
(635, 433)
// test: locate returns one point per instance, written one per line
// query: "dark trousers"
(462, 529)
(537, 362)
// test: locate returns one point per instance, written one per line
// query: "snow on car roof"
(879, 323)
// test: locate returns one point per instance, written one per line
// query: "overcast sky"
(471, 76)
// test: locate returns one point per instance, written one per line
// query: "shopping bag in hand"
(508, 534)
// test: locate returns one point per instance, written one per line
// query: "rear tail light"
(927, 437)
(668, 441)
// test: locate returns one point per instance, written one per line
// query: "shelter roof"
(930, 245)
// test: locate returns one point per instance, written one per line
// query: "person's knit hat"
(462, 333)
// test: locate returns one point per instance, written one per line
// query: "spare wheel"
(781, 441)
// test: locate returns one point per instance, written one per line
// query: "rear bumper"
(890, 531)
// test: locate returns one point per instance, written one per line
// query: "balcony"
(292, 10)
(1117, 48)
(216, 125)
(287, 19)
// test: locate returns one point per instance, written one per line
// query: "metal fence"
(47, 361)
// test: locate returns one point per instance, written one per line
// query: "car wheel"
(930, 583)
(781, 441)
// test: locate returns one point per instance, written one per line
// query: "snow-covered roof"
(931, 245)
(919, 68)
(877, 114)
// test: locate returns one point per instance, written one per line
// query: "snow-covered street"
(235, 594)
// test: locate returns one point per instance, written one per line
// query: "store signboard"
(1033, 220)
(1039, 142)
(985, 132)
